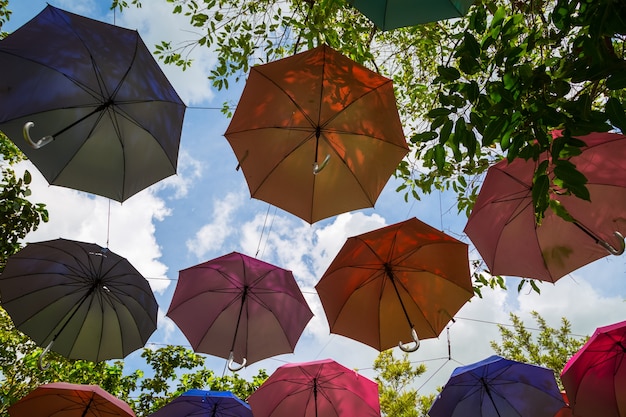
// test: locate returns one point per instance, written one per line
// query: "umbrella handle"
(407, 347)
(231, 361)
(317, 168)
(45, 351)
(606, 245)
(40, 143)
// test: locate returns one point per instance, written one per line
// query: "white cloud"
(212, 235)
(156, 23)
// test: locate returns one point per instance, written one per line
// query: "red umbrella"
(317, 134)
(316, 389)
(502, 224)
(595, 377)
(405, 279)
(62, 399)
(240, 308)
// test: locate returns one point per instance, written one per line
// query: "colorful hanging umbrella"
(317, 134)
(78, 299)
(239, 308)
(201, 403)
(109, 119)
(407, 279)
(316, 389)
(393, 14)
(499, 387)
(61, 399)
(502, 224)
(595, 377)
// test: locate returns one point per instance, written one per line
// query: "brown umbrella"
(317, 134)
(62, 399)
(405, 279)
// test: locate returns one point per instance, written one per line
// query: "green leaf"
(448, 73)
(423, 137)
(438, 112)
(440, 156)
(615, 112)
(616, 81)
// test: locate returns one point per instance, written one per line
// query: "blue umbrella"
(197, 402)
(498, 387)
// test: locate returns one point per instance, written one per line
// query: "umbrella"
(110, 120)
(595, 377)
(317, 134)
(78, 299)
(566, 411)
(499, 387)
(61, 399)
(502, 224)
(239, 308)
(196, 402)
(405, 279)
(393, 14)
(321, 388)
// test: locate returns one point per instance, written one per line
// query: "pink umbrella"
(595, 377)
(502, 225)
(316, 389)
(239, 308)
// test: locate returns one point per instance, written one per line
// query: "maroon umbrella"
(502, 225)
(316, 389)
(239, 308)
(595, 377)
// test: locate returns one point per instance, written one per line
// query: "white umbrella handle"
(45, 351)
(407, 347)
(317, 168)
(606, 245)
(231, 362)
(40, 143)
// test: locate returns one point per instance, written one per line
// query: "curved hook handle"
(231, 361)
(612, 250)
(407, 347)
(317, 168)
(40, 143)
(45, 351)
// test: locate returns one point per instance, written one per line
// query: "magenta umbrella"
(502, 224)
(595, 377)
(321, 388)
(239, 308)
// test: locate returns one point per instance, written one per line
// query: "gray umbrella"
(103, 117)
(78, 299)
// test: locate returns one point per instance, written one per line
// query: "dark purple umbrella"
(239, 308)
(197, 402)
(108, 118)
(499, 387)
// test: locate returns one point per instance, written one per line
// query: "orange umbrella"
(317, 134)
(405, 279)
(62, 399)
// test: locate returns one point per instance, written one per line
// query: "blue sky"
(205, 211)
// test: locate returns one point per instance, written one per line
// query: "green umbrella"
(392, 14)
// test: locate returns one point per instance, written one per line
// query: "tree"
(173, 370)
(550, 348)
(395, 378)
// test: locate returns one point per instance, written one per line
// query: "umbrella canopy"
(595, 377)
(393, 14)
(316, 389)
(201, 403)
(502, 224)
(110, 120)
(498, 387)
(317, 134)
(61, 399)
(240, 308)
(78, 299)
(403, 280)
